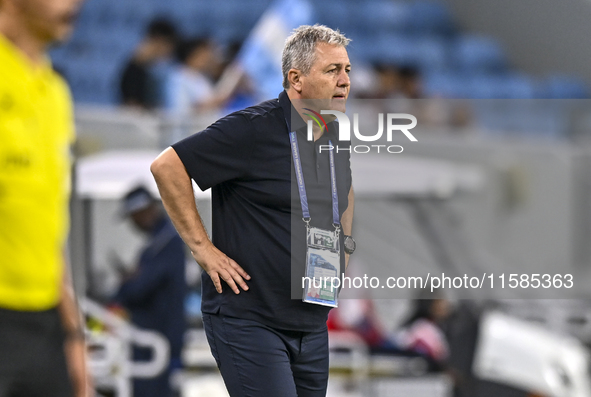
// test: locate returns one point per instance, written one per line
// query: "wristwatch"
(350, 245)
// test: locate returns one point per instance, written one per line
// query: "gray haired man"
(266, 343)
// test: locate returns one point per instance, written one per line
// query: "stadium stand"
(421, 34)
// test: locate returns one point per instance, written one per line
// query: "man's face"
(163, 46)
(144, 219)
(329, 77)
(49, 20)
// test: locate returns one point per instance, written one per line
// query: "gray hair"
(300, 48)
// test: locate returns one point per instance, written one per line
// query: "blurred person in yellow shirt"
(42, 350)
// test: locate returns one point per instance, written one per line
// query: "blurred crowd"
(182, 75)
(167, 71)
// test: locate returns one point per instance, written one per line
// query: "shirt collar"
(18, 56)
(285, 104)
(298, 122)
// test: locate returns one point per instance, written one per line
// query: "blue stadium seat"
(476, 54)
(457, 85)
(430, 17)
(432, 54)
(89, 14)
(417, 33)
(135, 14)
(93, 82)
(333, 14)
(193, 18)
(397, 49)
(231, 33)
(360, 47)
(381, 15)
(445, 85)
(426, 53)
(90, 76)
(110, 14)
(565, 87)
(240, 9)
(510, 86)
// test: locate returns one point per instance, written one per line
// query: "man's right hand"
(220, 267)
(176, 191)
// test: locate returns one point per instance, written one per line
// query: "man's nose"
(343, 80)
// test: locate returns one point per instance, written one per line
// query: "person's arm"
(75, 346)
(176, 191)
(347, 220)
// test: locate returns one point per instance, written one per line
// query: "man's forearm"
(176, 191)
(347, 218)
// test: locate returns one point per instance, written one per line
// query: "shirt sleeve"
(219, 153)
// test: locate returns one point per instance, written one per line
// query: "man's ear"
(294, 76)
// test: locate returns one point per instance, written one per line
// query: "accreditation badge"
(323, 267)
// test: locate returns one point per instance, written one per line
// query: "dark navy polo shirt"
(245, 158)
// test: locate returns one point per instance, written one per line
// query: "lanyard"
(295, 152)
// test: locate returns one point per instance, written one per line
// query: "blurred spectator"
(396, 81)
(189, 86)
(423, 333)
(154, 294)
(359, 316)
(142, 78)
(388, 82)
(410, 82)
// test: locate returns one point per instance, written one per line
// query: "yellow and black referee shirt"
(36, 130)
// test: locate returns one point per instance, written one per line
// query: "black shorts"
(32, 358)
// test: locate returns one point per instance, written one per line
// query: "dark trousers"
(32, 358)
(259, 361)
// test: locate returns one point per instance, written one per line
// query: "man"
(264, 342)
(38, 313)
(142, 81)
(154, 294)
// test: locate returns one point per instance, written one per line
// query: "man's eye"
(332, 70)
(348, 71)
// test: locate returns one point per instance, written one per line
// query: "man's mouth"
(339, 96)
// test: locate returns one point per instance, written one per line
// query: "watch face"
(349, 245)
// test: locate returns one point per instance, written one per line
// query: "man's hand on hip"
(220, 267)
(176, 191)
